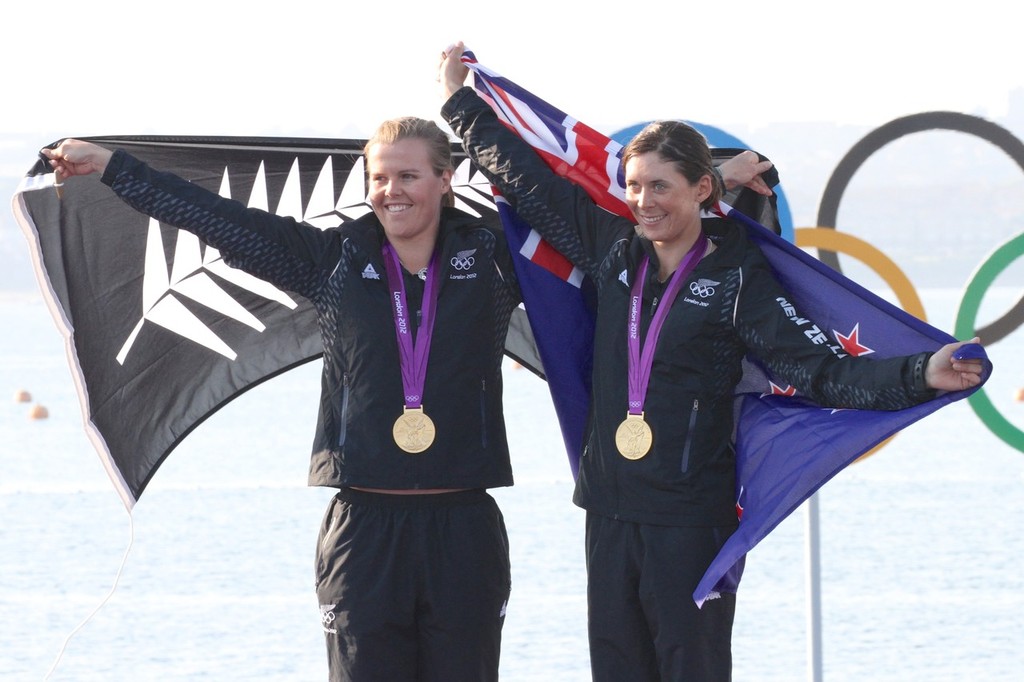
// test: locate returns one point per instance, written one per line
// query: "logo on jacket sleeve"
(463, 262)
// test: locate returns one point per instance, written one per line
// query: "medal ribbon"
(412, 357)
(640, 363)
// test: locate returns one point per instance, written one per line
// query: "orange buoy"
(38, 412)
(22, 396)
(1020, 395)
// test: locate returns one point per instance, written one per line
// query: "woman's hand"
(745, 170)
(451, 72)
(945, 373)
(74, 157)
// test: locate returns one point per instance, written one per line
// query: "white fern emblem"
(190, 271)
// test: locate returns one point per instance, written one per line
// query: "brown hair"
(439, 147)
(681, 145)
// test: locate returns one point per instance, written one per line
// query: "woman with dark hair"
(678, 310)
(412, 562)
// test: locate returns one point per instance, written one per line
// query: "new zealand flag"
(786, 447)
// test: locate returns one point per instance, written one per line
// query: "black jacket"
(341, 271)
(731, 306)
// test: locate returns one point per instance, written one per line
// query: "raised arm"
(561, 211)
(451, 72)
(280, 250)
(775, 332)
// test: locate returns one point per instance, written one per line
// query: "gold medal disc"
(413, 431)
(633, 438)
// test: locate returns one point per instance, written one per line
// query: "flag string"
(103, 602)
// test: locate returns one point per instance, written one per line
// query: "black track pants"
(643, 623)
(413, 587)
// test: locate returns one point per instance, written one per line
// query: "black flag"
(160, 332)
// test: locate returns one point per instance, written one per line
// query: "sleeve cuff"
(114, 166)
(455, 102)
(921, 389)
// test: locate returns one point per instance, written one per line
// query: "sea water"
(921, 548)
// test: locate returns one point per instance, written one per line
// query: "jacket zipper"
(689, 434)
(343, 417)
(483, 412)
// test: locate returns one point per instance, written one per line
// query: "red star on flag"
(775, 389)
(851, 344)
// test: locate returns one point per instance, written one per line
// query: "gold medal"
(633, 438)
(413, 431)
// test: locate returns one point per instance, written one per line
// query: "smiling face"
(665, 204)
(405, 190)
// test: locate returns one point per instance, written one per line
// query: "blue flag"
(786, 446)
(564, 329)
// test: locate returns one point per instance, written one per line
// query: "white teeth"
(396, 208)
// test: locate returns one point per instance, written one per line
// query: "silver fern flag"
(160, 332)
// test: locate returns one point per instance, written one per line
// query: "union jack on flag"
(786, 447)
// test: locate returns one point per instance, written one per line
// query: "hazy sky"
(335, 69)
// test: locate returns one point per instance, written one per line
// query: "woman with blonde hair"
(412, 562)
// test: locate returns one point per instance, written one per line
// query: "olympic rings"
(983, 278)
(1002, 138)
(966, 318)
